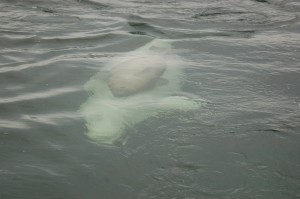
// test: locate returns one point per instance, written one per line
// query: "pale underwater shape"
(107, 116)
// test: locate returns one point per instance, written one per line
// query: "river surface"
(242, 57)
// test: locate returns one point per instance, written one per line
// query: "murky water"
(240, 57)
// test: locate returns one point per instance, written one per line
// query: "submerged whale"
(109, 110)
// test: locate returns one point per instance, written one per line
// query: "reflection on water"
(241, 57)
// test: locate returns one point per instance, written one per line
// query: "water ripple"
(39, 95)
(13, 124)
(50, 118)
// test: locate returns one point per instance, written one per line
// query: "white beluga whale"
(128, 90)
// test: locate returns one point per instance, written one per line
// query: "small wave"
(252, 16)
(44, 170)
(39, 95)
(145, 28)
(50, 118)
(95, 4)
(54, 19)
(8, 124)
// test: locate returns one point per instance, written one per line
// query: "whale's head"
(135, 77)
(123, 86)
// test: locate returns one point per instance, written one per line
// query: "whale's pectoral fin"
(180, 103)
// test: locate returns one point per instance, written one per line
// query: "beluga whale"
(132, 87)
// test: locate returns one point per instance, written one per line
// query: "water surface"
(242, 57)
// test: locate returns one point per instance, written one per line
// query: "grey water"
(241, 57)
